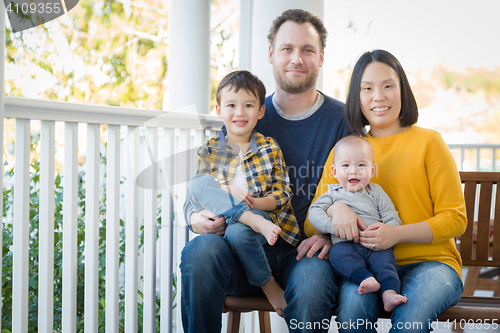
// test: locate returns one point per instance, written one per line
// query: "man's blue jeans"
(431, 287)
(204, 192)
(210, 270)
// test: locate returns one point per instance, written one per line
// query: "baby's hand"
(345, 222)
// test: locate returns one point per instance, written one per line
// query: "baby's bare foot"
(392, 300)
(275, 295)
(368, 285)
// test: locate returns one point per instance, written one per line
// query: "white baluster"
(150, 225)
(46, 239)
(21, 228)
(92, 229)
(112, 228)
(167, 232)
(131, 229)
(70, 227)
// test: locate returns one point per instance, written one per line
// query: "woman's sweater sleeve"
(449, 218)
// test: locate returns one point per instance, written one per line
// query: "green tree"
(108, 53)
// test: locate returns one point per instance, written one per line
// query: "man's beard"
(291, 87)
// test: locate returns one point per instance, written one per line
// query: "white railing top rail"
(27, 108)
(475, 145)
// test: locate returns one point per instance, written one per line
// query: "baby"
(373, 270)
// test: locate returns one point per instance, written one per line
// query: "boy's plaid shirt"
(265, 172)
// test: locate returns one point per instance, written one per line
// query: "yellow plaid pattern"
(265, 172)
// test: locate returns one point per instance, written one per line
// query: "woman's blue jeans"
(431, 287)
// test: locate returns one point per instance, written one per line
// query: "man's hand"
(205, 222)
(313, 244)
(345, 222)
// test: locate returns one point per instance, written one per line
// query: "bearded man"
(306, 124)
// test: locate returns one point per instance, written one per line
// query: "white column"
(245, 31)
(189, 56)
(2, 108)
(267, 12)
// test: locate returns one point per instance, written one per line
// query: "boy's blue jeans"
(355, 262)
(204, 192)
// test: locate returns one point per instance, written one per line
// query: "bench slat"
(496, 225)
(483, 222)
(466, 238)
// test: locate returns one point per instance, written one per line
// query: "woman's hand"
(381, 235)
(345, 222)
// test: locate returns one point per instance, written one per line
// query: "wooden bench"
(476, 247)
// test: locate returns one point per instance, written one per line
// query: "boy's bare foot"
(270, 230)
(392, 299)
(275, 295)
(368, 285)
(259, 224)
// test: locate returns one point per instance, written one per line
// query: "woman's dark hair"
(355, 119)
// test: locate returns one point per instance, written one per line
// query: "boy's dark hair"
(242, 80)
(298, 16)
(355, 119)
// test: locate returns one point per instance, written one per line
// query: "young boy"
(242, 176)
(353, 167)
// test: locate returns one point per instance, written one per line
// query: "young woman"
(417, 171)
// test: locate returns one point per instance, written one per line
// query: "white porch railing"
(477, 157)
(156, 154)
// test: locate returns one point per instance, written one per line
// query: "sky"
(419, 33)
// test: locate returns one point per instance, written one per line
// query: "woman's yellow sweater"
(418, 172)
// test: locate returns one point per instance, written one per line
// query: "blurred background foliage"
(108, 53)
(115, 53)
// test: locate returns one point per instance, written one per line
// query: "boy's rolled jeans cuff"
(188, 210)
(233, 215)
